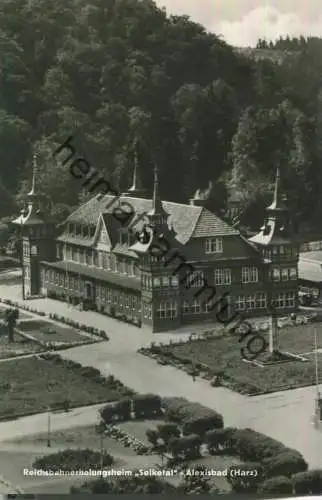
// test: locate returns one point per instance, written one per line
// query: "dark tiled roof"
(209, 224)
(131, 283)
(187, 220)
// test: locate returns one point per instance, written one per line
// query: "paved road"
(284, 416)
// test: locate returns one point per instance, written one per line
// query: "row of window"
(102, 260)
(81, 230)
(221, 277)
(253, 301)
(149, 282)
(284, 274)
(282, 251)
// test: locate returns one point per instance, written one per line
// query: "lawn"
(138, 428)
(19, 347)
(223, 354)
(31, 385)
(45, 331)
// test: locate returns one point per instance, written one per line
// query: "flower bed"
(34, 384)
(61, 319)
(71, 460)
(80, 326)
(126, 439)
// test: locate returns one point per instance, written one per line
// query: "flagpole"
(316, 365)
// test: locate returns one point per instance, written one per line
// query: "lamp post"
(22, 216)
(48, 428)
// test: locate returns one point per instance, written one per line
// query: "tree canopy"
(112, 72)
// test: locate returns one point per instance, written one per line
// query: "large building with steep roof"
(159, 263)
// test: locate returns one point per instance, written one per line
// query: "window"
(293, 273)
(276, 274)
(95, 258)
(250, 302)
(174, 281)
(156, 282)
(195, 307)
(240, 303)
(284, 299)
(165, 281)
(167, 309)
(284, 273)
(214, 245)
(195, 279)
(185, 307)
(127, 301)
(222, 277)
(89, 258)
(147, 311)
(27, 272)
(261, 301)
(249, 275)
(209, 305)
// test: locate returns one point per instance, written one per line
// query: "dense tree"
(114, 73)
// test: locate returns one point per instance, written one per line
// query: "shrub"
(195, 418)
(168, 431)
(245, 478)
(308, 483)
(123, 409)
(187, 447)
(285, 464)
(152, 436)
(133, 484)
(146, 405)
(217, 439)
(278, 485)
(108, 413)
(69, 460)
(200, 425)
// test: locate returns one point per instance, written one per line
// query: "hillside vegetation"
(113, 73)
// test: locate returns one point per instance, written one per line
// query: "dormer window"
(213, 245)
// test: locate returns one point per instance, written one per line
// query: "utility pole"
(48, 429)
(101, 453)
(317, 397)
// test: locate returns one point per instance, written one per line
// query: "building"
(310, 274)
(108, 257)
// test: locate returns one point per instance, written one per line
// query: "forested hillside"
(112, 72)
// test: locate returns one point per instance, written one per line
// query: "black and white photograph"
(161, 247)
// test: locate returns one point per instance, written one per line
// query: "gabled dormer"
(102, 240)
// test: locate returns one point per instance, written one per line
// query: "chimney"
(201, 197)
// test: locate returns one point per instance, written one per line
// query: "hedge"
(146, 405)
(194, 418)
(241, 480)
(69, 460)
(308, 483)
(278, 485)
